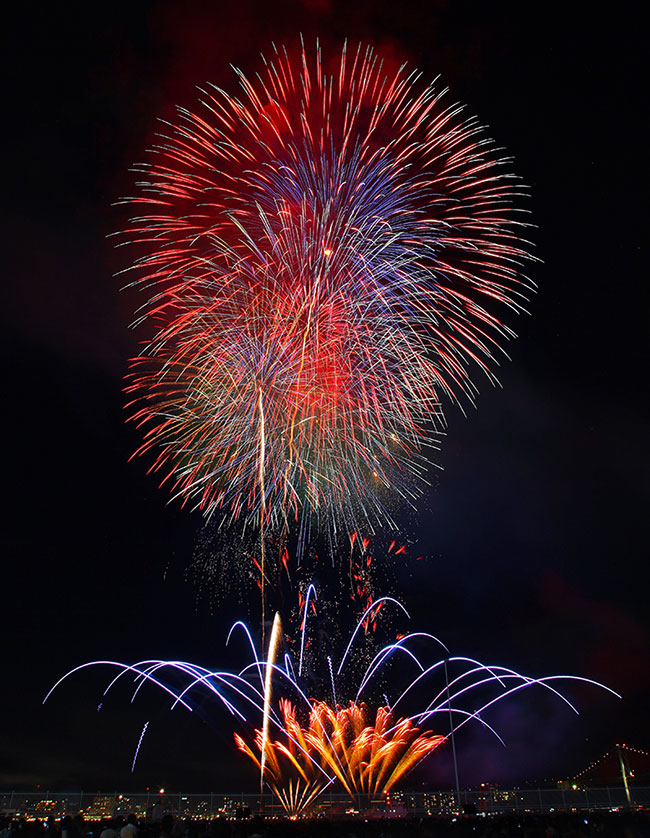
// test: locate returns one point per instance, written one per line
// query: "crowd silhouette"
(626, 824)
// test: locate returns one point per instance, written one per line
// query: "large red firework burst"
(327, 258)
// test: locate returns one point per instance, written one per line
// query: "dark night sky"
(535, 535)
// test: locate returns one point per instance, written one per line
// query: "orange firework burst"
(367, 758)
(291, 768)
(339, 744)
